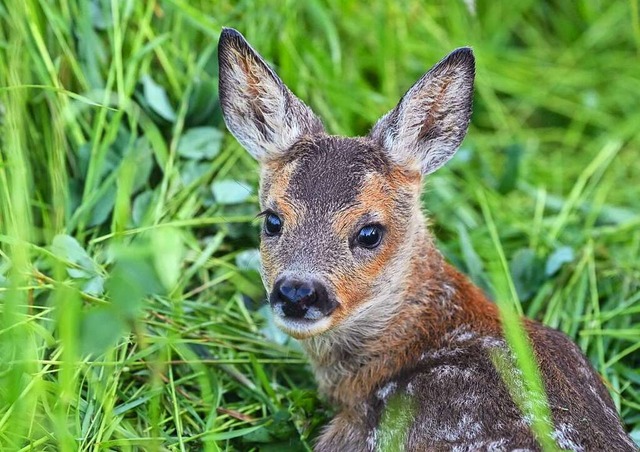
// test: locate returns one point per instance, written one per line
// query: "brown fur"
(275, 193)
(351, 284)
(419, 325)
(404, 322)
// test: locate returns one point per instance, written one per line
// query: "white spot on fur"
(497, 445)
(448, 291)
(564, 434)
(607, 409)
(467, 429)
(462, 333)
(467, 336)
(384, 392)
(372, 437)
(472, 400)
(410, 389)
(440, 353)
(493, 342)
(449, 371)
(489, 446)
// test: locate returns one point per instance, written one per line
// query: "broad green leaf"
(140, 206)
(557, 259)
(260, 435)
(511, 171)
(157, 98)
(230, 191)
(168, 252)
(126, 287)
(248, 260)
(79, 273)
(133, 277)
(87, 272)
(101, 17)
(192, 170)
(92, 51)
(635, 436)
(100, 329)
(143, 160)
(270, 330)
(68, 248)
(94, 286)
(200, 143)
(202, 102)
(281, 426)
(527, 271)
(103, 207)
(292, 444)
(471, 258)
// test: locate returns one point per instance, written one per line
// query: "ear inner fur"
(432, 118)
(258, 109)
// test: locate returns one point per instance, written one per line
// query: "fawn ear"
(259, 110)
(432, 118)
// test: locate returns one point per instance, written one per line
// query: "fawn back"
(352, 272)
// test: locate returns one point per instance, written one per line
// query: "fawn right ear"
(432, 118)
(259, 110)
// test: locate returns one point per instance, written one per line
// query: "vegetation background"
(132, 314)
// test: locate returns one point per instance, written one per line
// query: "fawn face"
(336, 212)
(339, 213)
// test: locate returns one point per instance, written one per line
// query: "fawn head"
(340, 214)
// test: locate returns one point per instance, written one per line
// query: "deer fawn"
(353, 273)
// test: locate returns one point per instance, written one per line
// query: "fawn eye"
(272, 224)
(370, 236)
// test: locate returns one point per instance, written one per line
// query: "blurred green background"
(132, 314)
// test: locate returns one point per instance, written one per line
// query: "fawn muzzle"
(301, 299)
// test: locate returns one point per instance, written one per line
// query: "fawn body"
(353, 273)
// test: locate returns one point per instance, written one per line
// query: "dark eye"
(370, 236)
(272, 224)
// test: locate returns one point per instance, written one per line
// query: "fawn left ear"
(432, 118)
(259, 110)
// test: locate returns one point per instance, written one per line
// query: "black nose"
(297, 297)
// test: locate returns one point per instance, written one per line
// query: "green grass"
(130, 315)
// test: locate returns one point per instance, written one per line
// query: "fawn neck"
(432, 299)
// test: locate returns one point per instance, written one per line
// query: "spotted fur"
(406, 324)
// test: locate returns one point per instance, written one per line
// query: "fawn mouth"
(301, 328)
